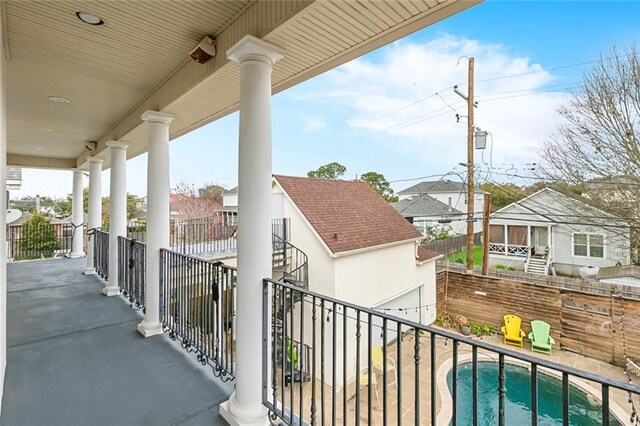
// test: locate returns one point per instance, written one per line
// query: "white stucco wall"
(369, 278)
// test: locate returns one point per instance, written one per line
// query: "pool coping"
(446, 401)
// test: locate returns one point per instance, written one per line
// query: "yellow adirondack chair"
(513, 334)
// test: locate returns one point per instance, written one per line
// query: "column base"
(76, 255)
(110, 291)
(238, 415)
(148, 329)
(90, 271)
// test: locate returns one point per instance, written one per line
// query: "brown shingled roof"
(426, 254)
(348, 215)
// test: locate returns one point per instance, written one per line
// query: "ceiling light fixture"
(88, 18)
(59, 99)
(91, 146)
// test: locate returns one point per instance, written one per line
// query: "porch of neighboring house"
(74, 357)
(525, 247)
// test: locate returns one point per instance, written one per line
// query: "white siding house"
(360, 250)
(551, 232)
(445, 192)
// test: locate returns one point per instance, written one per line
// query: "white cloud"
(313, 123)
(406, 73)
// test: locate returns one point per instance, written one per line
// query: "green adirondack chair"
(539, 336)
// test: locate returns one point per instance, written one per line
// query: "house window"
(588, 245)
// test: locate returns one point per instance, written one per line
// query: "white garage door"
(407, 307)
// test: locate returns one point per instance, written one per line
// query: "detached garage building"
(360, 250)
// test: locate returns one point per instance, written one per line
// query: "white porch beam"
(117, 210)
(158, 187)
(95, 208)
(77, 215)
(256, 58)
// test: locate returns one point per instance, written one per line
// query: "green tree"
(39, 236)
(503, 194)
(328, 171)
(439, 232)
(378, 182)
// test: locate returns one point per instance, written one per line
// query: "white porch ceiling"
(138, 60)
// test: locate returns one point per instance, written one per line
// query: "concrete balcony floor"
(74, 357)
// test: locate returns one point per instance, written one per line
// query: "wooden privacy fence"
(453, 245)
(588, 324)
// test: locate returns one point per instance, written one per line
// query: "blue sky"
(346, 115)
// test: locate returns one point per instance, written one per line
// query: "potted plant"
(464, 325)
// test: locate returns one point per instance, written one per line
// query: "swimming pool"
(583, 409)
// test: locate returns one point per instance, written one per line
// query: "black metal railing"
(291, 263)
(366, 369)
(131, 270)
(281, 228)
(39, 240)
(101, 252)
(198, 308)
(214, 234)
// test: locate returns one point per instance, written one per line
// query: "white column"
(3, 210)
(77, 215)
(95, 207)
(117, 210)
(256, 59)
(157, 215)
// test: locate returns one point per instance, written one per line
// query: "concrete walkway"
(74, 358)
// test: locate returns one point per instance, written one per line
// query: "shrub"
(38, 237)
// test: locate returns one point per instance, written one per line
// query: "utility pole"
(470, 183)
(485, 233)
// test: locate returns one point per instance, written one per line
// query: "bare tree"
(187, 203)
(597, 147)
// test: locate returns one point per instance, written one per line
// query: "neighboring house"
(230, 204)
(424, 212)
(550, 231)
(454, 195)
(360, 250)
(621, 275)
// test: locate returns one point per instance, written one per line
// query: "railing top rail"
(629, 387)
(196, 258)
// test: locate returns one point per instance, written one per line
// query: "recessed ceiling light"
(47, 129)
(88, 18)
(59, 99)
(39, 148)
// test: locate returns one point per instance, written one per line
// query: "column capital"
(78, 169)
(117, 145)
(95, 160)
(157, 117)
(250, 47)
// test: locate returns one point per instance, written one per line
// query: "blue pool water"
(583, 410)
